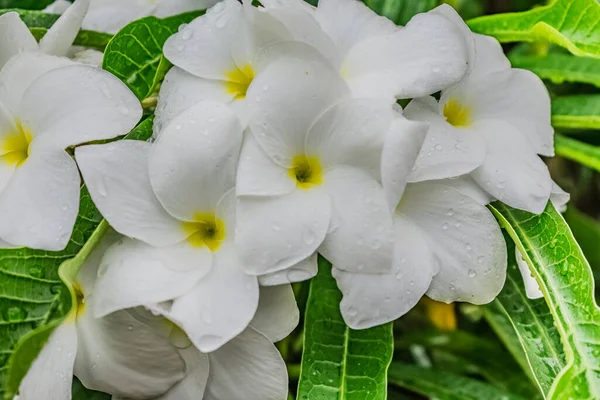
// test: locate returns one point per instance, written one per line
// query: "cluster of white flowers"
(277, 137)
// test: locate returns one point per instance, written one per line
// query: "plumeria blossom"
(176, 205)
(48, 104)
(492, 126)
(308, 179)
(374, 56)
(119, 354)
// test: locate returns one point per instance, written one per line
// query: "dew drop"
(472, 273)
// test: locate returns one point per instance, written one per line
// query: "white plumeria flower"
(492, 126)
(374, 56)
(119, 354)
(46, 105)
(175, 201)
(112, 15)
(308, 178)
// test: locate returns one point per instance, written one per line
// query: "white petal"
(467, 186)
(402, 146)
(428, 55)
(447, 151)
(374, 299)
(174, 7)
(39, 205)
(90, 57)
(465, 239)
(203, 47)
(315, 87)
(220, 306)
(292, 227)
(15, 37)
(58, 7)
(51, 374)
(302, 271)
(133, 274)
(532, 288)
(360, 237)
(489, 57)
(248, 367)
(86, 278)
(61, 35)
(512, 172)
(111, 15)
(78, 104)
(193, 163)
(258, 175)
(117, 177)
(181, 90)
(277, 314)
(450, 13)
(191, 387)
(559, 197)
(122, 356)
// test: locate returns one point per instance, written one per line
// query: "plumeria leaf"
(583, 153)
(338, 362)
(443, 385)
(559, 68)
(400, 11)
(576, 112)
(25, 4)
(528, 327)
(135, 55)
(36, 292)
(39, 23)
(565, 278)
(567, 23)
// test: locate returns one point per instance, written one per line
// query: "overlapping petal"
(15, 37)
(277, 314)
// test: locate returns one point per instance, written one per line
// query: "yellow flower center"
(79, 298)
(457, 114)
(238, 81)
(206, 230)
(306, 171)
(14, 147)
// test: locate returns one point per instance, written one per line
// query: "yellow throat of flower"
(238, 81)
(206, 230)
(306, 171)
(79, 298)
(457, 114)
(14, 147)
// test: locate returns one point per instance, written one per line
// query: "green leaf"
(560, 68)
(578, 151)
(580, 111)
(443, 385)
(35, 288)
(135, 55)
(568, 23)
(80, 392)
(338, 362)
(565, 278)
(530, 323)
(587, 232)
(39, 23)
(26, 4)
(400, 11)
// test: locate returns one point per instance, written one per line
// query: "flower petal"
(77, 104)
(512, 172)
(360, 237)
(292, 227)
(532, 288)
(248, 367)
(447, 151)
(465, 239)
(117, 177)
(374, 299)
(559, 197)
(111, 15)
(39, 205)
(402, 146)
(173, 7)
(120, 355)
(277, 314)
(220, 306)
(489, 57)
(191, 387)
(302, 271)
(133, 274)
(15, 37)
(428, 55)
(59, 38)
(193, 162)
(51, 374)
(88, 274)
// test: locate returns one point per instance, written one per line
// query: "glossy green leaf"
(530, 324)
(560, 68)
(568, 23)
(400, 11)
(39, 23)
(580, 111)
(26, 4)
(35, 288)
(565, 278)
(135, 55)
(339, 363)
(583, 153)
(443, 385)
